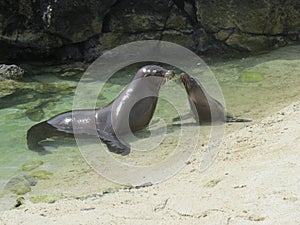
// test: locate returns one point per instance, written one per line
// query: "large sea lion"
(134, 107)
(205, 109)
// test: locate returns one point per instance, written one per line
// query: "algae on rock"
(28, 166)
(251, 77)
(41, 174)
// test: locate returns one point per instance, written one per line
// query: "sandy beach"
(254, 180)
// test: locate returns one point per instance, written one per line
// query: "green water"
(271, 81)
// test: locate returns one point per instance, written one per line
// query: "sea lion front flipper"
(117, 147)
(113, 143)
(184, 117)
(231, 119)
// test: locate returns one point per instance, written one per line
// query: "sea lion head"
(154, 71)
(188, 82)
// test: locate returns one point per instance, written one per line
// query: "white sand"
(255, 180)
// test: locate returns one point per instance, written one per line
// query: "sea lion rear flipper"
(40, 132)
(36, 134)
(113, 143)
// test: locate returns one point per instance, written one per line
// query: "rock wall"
(251, 25)
(82, 30)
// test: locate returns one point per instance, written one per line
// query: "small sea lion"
(110, 121)
(205, 109)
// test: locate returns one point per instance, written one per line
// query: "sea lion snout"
(184, 79)
(182, 76)
(157, 71)
(169, 74)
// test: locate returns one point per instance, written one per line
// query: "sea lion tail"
(231, 119)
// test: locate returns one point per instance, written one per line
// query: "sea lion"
(205, 109)
(134, 106)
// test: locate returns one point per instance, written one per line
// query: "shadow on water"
(30, 93)
(21, 97)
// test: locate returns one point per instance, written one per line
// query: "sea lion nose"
(183, 76)
(169, 74)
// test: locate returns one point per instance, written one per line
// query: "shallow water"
(46, 95)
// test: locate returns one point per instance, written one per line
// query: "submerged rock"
(41, 174)
(20, 185)
(9, 87)
(253, 42)
(20, 202)
(251, 77)
(35, 114)
(44, 199)
(12, 72)
(28, 166)
(60, 70)
(20, 189)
